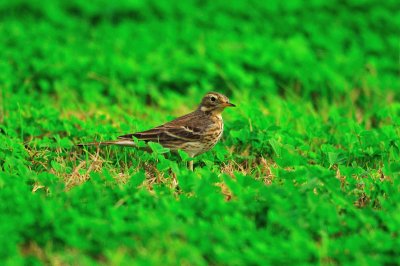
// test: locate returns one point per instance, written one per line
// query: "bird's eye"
(213, 98)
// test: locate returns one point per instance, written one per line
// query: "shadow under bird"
(194, 133)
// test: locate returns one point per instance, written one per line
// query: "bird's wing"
(184, 128)
(166, 133)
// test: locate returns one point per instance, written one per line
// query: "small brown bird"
(194, 133)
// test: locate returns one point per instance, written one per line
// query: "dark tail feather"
(120, 142)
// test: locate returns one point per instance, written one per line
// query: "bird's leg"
(190, 165)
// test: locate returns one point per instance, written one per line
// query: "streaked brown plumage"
(194, 133)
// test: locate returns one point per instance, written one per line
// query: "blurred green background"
(307, 171)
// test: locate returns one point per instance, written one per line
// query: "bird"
(194, 133)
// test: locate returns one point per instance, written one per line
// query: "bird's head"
(215, 103)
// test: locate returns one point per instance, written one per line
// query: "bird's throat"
(214, 111)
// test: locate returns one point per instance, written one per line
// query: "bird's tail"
(120, 142)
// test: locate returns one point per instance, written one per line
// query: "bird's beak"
(228, 105)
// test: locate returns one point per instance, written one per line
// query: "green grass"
(308, 168)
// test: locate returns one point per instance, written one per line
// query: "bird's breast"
(213, 132)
